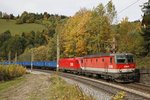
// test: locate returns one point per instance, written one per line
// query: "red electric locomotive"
(69, 64)
(119, 66)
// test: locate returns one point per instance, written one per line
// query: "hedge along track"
(110, 88)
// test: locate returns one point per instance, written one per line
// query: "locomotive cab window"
(124, 59)
(129, 58)
(120, 59)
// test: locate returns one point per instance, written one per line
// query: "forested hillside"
(87, 32)
(20, 34)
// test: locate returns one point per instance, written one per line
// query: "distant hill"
(18, 28)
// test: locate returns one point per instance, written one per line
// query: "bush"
(19, 21)
(8, 72)
(143, 62)
(119, 96)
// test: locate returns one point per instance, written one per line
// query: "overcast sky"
(70, 7)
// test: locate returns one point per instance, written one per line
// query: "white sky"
(69, 7)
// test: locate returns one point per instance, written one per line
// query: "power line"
(128, 7)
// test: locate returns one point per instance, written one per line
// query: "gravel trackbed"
(35, 87)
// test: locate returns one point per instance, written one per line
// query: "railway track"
(133, 91)
(139, 87)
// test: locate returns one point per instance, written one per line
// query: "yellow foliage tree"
(129, 38)
(74, 34)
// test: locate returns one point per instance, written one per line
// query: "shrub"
(143, 62)
(19, 21)
(119, 96)
(8, 72)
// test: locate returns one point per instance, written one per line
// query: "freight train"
(119, 67)
(36, 64)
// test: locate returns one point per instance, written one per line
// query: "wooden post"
(114, 45)
(9, 57)
(32, 59)
(16, 57)
(58, 52)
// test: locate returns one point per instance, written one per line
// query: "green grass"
(18, 28)
(8, 84)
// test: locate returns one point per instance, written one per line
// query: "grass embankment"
(60, 90)
(8, 72)
(8, 84)
(18, 28)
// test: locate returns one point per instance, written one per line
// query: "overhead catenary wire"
(128, 7)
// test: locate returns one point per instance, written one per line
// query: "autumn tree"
(111, 11)
(100, 28)
(129, 38)
(52, 48)
(73, 36)
(39, 54)
(89, 31)
(26, 18)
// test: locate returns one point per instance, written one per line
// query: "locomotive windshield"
(122, 59)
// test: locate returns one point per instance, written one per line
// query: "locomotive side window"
(103, 60)
(81, 61)
(111, 60)
(77, 62)
(96, 60)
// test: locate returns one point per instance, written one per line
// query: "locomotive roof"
(106, 54)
